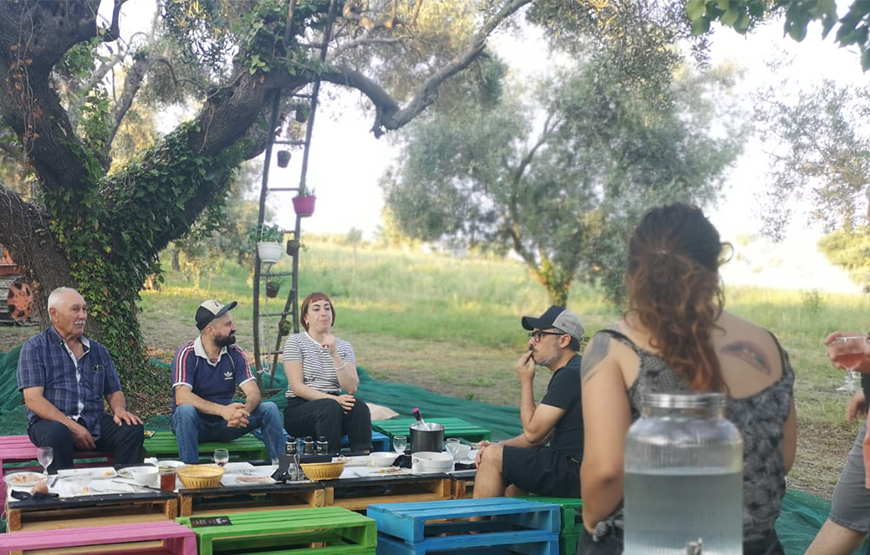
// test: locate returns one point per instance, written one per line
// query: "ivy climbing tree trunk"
(101, 231)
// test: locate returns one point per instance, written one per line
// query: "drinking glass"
(848, 353)
(399, 444)
(453, 446)
(45, 455)
(221, 457)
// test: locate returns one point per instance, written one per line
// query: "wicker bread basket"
(323, 471)
(199, 476)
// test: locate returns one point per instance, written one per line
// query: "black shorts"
(541, 471)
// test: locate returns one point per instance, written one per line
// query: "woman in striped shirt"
(318, 367)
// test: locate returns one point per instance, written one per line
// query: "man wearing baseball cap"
(525, 464)
(205, 374)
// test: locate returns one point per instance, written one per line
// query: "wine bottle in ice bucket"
(683, 478)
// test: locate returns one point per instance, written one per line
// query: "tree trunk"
(176, 260)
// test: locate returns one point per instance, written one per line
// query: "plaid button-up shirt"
(45, 362)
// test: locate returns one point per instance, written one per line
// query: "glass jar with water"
(683, 478)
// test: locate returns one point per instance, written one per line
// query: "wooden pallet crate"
(163, 445)
(170, 538)
(91, 511)
(445, 526)
(255, 497)
(322, 531)
(572, 520)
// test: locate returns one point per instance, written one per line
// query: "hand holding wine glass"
(847, 351)
(45, 455)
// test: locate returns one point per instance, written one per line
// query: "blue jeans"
(190, 428)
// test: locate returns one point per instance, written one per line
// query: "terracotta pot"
(304, 206)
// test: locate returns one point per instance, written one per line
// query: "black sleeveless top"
(759, 417)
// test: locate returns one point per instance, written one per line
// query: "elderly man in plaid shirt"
(64, 377)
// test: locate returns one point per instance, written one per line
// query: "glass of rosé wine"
(848, 353)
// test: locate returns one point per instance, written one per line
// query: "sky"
(346, 161)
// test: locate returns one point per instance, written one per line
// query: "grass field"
(452, 326)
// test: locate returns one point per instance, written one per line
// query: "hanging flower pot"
(283, 158)
(269, 252)
(285, 327)
(304, 205)
(292, 247)
(272, 288)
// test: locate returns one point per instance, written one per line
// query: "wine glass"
(45, 455)
(452, 445)
(399, 444)
(221, 457)
(848, 353)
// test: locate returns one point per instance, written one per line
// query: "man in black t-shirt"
(525, 464)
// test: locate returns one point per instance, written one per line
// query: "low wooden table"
(453, 427)
(91, 510)
(357, 493)
(20, 449)
(255, 497)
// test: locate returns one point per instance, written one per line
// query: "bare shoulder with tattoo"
(750, 353)
(596, 351)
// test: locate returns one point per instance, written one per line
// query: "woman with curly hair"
(676, 338)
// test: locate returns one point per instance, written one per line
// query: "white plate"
(254, 475)
(237, 467)
(22, 479)
(125, 472)
(88, 473)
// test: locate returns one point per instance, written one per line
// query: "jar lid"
(684, 400)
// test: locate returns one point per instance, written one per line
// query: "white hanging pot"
(269, 252)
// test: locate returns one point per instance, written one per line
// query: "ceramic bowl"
(430, 461)
(382, 459)
(144, 475)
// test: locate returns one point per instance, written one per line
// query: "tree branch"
(114, 32)
(389, 116)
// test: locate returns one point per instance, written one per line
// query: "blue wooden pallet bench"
(444, 526)
(380, 442)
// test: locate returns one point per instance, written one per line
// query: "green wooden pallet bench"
(453, 427)
(444, 527)
(323, 531)
(572, 520)
(163, 445)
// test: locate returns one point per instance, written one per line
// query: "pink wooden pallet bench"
(177, 539)
(20, 449)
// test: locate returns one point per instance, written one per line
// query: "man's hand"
(857, 407)
(126, 418)
(481, 446)
(526, 367)
(235, 415)
(82, 438)
(328, 343)
(346, 401)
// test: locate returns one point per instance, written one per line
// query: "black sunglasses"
(537, 335)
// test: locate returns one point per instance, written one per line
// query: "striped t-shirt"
(318, 368)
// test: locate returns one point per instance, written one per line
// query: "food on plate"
(23, 478)
(389, 470)
(253, 479)
(40, 487)
(108, 472)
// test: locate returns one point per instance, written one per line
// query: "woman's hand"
(346, 401)
(328, 342)
(857, 407)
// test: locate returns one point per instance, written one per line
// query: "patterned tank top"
(759, 417)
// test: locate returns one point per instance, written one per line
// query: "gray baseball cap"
(557, 317)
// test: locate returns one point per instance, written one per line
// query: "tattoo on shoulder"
(596, 351)
(750, 353)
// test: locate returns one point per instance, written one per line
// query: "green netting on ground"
(802, 514)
